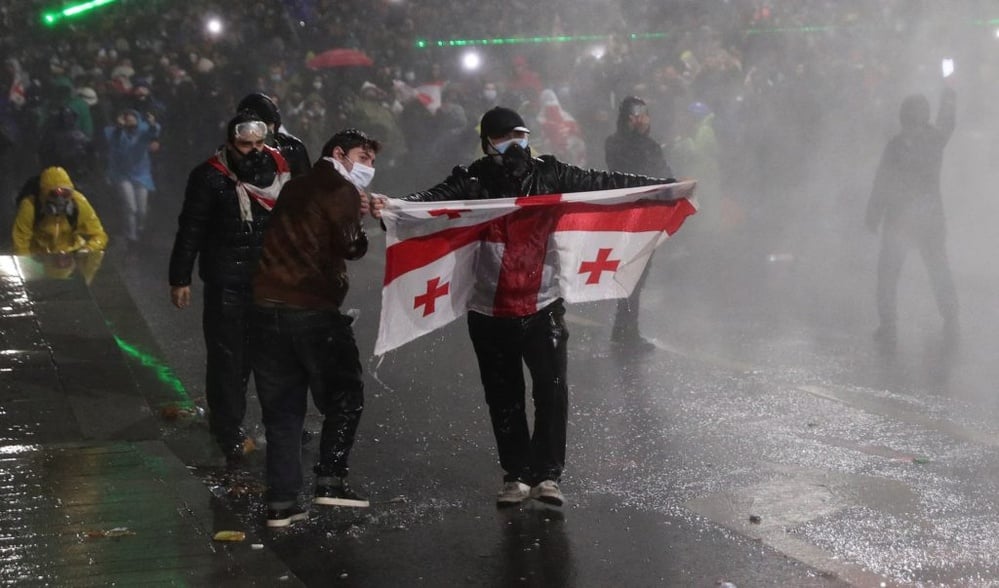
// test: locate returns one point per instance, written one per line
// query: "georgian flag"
(510, 257)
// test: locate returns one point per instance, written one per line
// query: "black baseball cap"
(499, 121)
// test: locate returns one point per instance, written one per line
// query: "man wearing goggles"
(291, 147)
(226, 206)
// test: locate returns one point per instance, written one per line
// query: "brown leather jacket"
(314, 227)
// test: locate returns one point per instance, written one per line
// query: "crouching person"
(300, 339)
(54, 218)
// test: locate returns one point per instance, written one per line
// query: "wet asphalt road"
(766, 442)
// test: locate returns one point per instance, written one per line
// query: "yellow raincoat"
(55, 233)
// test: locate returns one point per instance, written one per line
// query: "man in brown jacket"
(300, 340)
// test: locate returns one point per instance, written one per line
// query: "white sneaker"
(548, 493)
(512, 493)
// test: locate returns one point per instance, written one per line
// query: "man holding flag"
(506, 264)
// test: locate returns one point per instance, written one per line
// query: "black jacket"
(211, 230)
(906, 194)
(628, 151)
(485, 178)
(294, 152)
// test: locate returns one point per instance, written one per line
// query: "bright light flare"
(948, 67)
(471, 61)
(598, 52)
(214, 26)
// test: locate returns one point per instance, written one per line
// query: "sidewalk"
(92, 493)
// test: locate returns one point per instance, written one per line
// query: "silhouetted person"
(907, 204)
(630, 149)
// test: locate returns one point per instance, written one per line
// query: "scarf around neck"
(266, 196)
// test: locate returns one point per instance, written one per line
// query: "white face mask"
(502, 147)
(361, 175)
(489, 95)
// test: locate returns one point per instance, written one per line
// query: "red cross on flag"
(511, 257)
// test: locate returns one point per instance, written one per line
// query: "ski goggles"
(253, 130)
(61, 192)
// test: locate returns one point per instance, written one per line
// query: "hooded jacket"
(55, 233)
(906, 193)
(294, 152)
(128, 152)
(633, 152)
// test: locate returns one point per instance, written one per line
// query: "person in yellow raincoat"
(57, 219)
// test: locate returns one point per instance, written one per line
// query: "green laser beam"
(424, 43)
(805, 29)
(163, 372)
(52, 17)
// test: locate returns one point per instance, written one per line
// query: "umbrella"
(339, 58)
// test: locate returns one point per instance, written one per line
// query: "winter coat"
(906, 194)
(210, 230)
(128, 153)
(315, 226)
(37, 233)
(294, 152)
(628, 151)
(486, 178)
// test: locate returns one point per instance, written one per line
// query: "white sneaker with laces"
(548, 492)
(512, 493)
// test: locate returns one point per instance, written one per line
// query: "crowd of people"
(747, 96)
(750, 98)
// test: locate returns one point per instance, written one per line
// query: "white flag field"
(510, 257)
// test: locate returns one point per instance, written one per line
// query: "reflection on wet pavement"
(761, 444)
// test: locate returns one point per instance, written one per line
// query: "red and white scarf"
(265, 196)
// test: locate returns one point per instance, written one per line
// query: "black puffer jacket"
(545, 175)
(210, 229)
(294, 152)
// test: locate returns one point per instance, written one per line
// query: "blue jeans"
(294, 351)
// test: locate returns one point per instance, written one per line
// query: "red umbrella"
(339, 58)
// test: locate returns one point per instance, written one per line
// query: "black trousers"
(502, 347)
(626, 317)
(225, 324)
(294, 351)
(895, 245)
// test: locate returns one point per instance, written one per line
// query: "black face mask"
(58, 207)
(516, 161)
(256, 167)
